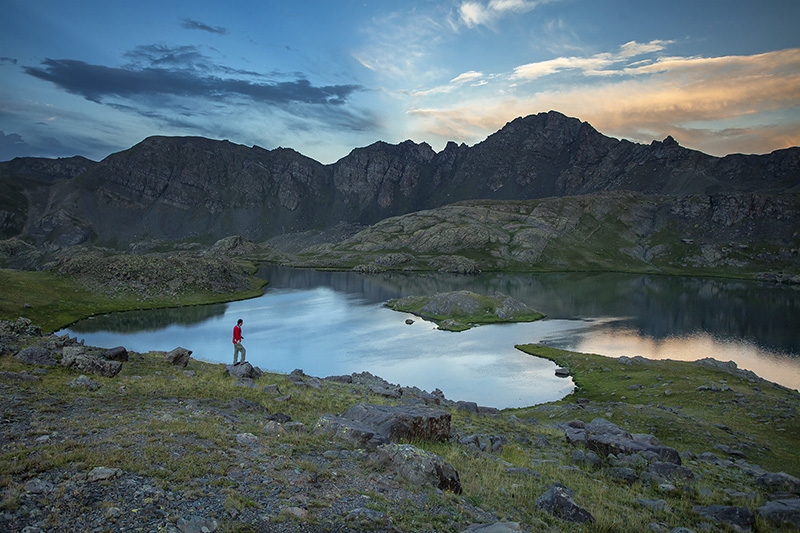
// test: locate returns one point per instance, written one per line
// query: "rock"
(403, 422)
(670, 471)
(654, 505)
(604, 438)
(781, 511)
(558, 501)
(386, 392)
(77, 358)
(178, 357)
(740, 517)
(562, 372)
(271, 389)
(349, 431)
(101, 473)
(36, 355)
(623, 473)
(497, 527)
(241, 370)
(116, 354)
(248, 439)
(37, 486)
(522, 471)
(418, 466)
(196, 524)
(84, 382)
(340, 379)
(470, 407)
(295, 512)
(779, 482)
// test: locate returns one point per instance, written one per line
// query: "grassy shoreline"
(54, 301)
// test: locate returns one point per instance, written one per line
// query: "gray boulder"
(779, 482)
(36, 355)
(558, 501)
(497, 527)
(243, 371)
(178, 357)
(604, 438)
(77, 358)
(349, 431)
(116, 354)
(418, 466)
(664, 471)
(368, 426)
(740, 517)
(403, 422)
(780, 511)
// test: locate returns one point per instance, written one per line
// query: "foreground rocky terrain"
(99, 439)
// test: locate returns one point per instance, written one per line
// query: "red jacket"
(237, 334)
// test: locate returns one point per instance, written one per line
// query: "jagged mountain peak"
(198, 188)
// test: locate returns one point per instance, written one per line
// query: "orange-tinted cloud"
(718, 105)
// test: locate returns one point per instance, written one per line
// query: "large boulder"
(418, 466)
(779, 482)
(178, 357)
(604, 438)
(367, 425)
(739, 517)
(558, 501)
(36, 355)
(78, 358)
(780, 511)
(350, 432)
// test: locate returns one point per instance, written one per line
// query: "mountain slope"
(739, 234)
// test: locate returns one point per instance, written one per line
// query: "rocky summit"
(190, 188)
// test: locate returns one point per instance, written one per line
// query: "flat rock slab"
(369, 425)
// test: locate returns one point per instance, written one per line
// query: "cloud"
(594, 65)
(12, 145)
(455, 83)
(695, 99)
(467, 77)
(190, 24)
(473, 13)
(98, 83)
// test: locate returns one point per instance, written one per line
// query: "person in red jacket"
(237, 342)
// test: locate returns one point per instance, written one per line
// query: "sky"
(91, 78)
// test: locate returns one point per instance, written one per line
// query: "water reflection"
(657, 306)
(619, 341)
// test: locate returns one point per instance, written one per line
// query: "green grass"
(53, 301)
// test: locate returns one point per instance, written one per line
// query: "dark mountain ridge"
(177, 188)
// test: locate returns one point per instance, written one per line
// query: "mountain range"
(191, 188)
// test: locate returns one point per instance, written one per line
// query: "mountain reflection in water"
(334, 323)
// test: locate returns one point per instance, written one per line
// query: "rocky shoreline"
(97, 439)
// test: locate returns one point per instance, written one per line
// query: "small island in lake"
(460, 310)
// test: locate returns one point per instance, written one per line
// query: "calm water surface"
(334, 323)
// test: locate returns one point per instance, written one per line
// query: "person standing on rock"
(237, 342)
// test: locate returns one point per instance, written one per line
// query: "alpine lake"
(334, 323)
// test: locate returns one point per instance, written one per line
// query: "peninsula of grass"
(703, 406)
